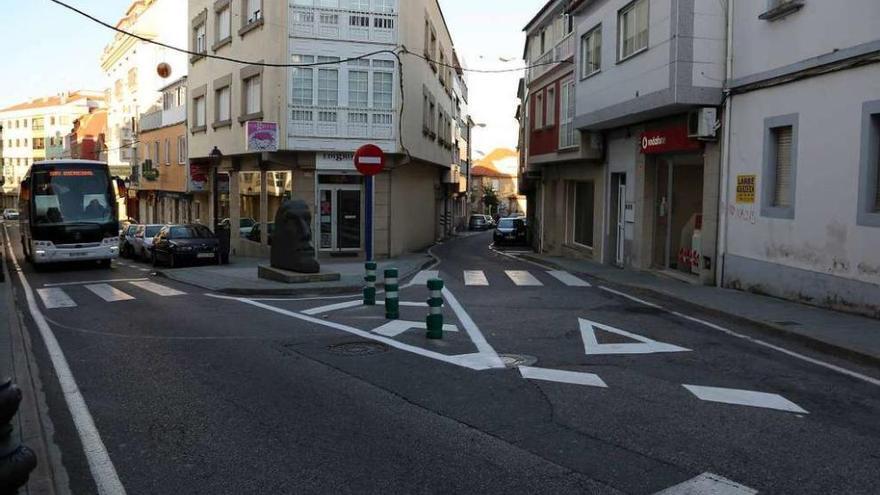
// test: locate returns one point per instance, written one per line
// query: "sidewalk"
(831, 331)
(240, 276)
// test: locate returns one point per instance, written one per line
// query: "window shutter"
(782, 191)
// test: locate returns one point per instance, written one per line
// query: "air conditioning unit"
(702, 123)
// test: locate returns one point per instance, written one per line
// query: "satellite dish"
(164, 70)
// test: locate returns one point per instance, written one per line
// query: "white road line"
(562, 376)
(55, 298)
(523, 278)
(631, 298)
(568, 279)
(644, 345)
(158, 289)
(744, 398)
(333, 307)
(423, 276)
(67, 284)
(100, 465)
(396, 327)
(143, 269)
(109, 293)
(472, 329)
(708, 484)
(475, 278)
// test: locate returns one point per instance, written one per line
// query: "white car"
(10, 214)
(143, 240)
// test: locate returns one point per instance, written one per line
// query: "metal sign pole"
(368, 213)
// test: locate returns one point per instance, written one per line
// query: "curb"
(763, 326)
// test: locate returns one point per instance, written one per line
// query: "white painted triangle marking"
(55, 297)
(744, 398)
(568, 279)
(708, 484)
(562, 376)
(644, 345)
(396, 327)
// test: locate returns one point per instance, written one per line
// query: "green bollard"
(370, 279)
(392, 296)
(434, 322)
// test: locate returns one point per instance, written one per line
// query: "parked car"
(176, 245)
(245, 225)
(143, 240)
(126, 240)
(10, 214)
(123, 224)
(255, 234)
(480, 222)
(510, 231)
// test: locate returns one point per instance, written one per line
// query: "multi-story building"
(166, 190)
(307, 121)
(86, 140)
(35, 130)
(561, 171)
(136, 70)
(802, 192)
(497, 172)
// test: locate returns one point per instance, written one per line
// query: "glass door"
(325, 220)
(339, 222)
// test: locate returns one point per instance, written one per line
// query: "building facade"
(35, 130)
(804, 128)
(497, 172)
(135, 72)
(87, 138)
(348, 91)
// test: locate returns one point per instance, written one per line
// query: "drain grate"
(514, 360)
(364, 348)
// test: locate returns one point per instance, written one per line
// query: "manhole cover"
(514, 360)
(358, 348)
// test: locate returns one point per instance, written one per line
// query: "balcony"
(162, 118)
(564, 50)
(339, 122)
(337, 24)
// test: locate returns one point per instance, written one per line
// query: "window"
(360, 5)
(199, 41)
(199, 111)
(382, 119)
(132, 78)
(38, 144)
(780, 166)
(383, 90)
(328, 87)
(568, 136)
(51, 120)
(384, 6)
(357, 118)
(224, 24)
(539, 110)
(551, 107)
(591, 52)
(253, 11)
(253, 95)
(358, 89)
(332, 19)
(302, 115)
(581, 215)
(301, 17)
(222, 104)
(156, 154)
(303, 81)
(358, 21)
(181, 150)
(167, 151)
(383, 23)
(869, 169)
(632, 26)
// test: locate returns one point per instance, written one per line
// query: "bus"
(68, 212)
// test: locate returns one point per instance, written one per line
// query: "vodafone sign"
(668, 140)
(369, 159)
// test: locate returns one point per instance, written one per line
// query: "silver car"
(10, 214)
(143, 240)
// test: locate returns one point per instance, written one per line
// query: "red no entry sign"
(369, 159)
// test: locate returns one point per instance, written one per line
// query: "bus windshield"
(71, 196)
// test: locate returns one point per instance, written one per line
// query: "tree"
(490, 199)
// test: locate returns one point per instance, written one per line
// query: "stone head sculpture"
(292, 247)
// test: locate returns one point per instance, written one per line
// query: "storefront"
(340, 204)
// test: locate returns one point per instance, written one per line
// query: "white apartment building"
(319, 115)
(131, 68)
(35, 130)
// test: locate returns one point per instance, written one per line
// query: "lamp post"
(216, 157)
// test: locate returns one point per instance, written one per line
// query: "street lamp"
(216, 157)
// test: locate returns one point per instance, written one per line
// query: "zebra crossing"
(57, 297)
(519, 278)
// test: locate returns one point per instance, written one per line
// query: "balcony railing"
(338, 24)
(564, 50)
(338, 122)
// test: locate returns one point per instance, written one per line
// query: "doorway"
(340, 218)
(618, 218)
(679, 214)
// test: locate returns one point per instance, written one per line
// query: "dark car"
(254, 234)
(176, 245)
(480, 222)
(510, 231)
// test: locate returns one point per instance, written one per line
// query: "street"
(603, 392)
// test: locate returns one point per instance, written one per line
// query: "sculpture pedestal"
(288, 277)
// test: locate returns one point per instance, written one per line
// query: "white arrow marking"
(645, 345)
(397, 327)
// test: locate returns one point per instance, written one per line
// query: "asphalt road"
(194, 393)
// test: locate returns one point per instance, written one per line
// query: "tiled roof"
(93, 124)
(45, 102)
(489, 165)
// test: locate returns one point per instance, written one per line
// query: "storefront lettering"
(668, 140)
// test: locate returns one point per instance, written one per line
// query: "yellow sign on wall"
(745, 188)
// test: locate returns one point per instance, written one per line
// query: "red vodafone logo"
(369, 159)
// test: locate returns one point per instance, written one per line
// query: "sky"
(58, 51)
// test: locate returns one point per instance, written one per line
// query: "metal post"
(392, 296)
(434, 322)
(370, 279)
(16, 460)
(368, 216)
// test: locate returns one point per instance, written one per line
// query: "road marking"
(523, 278)
(100, 465)
(423, 276)
(708, 484)
(396, 327)
(472, 330)
(475, 277)
(158, 289)
(645, 345)
(333, 307)
(143, 269)
(67, 284)
(562, 376)
(744, 398)
(109, 293)
(55, 298)
(817, 362)
(568, 279)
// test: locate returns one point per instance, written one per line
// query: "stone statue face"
(292, 240)
(299, 220)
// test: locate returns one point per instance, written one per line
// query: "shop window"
(780, 166)
(581, 204)
(869, 173)
(249, 187)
